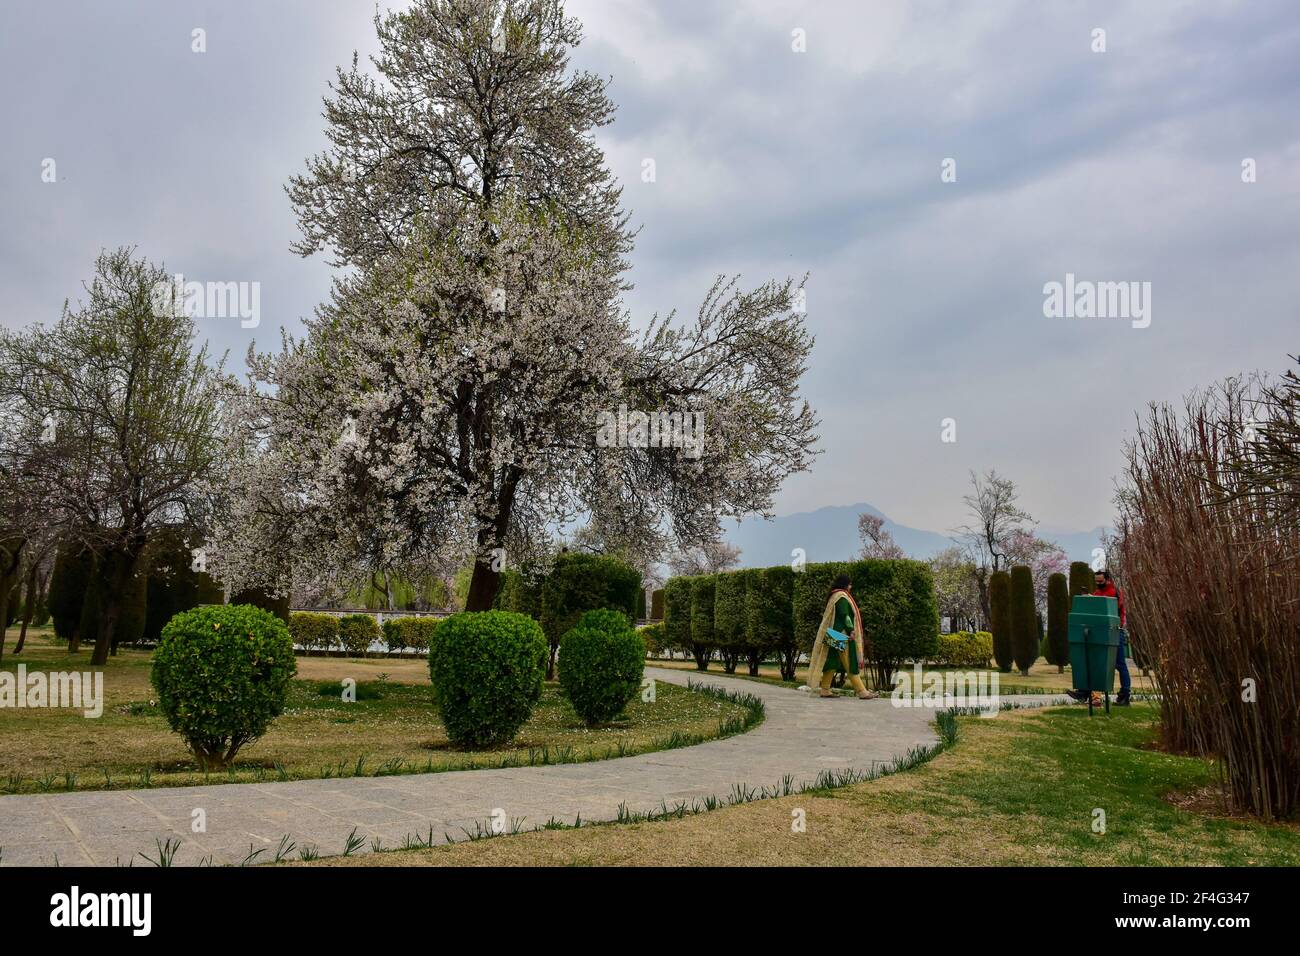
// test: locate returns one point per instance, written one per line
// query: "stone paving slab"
(801, 737)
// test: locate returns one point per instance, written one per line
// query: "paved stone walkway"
(801, 737)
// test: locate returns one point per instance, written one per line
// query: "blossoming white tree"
(445, 401)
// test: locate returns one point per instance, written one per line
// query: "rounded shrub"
(357, 632)
(487, 669)
(964, 649)
(601, 664)
(312, 631)
(221, 674)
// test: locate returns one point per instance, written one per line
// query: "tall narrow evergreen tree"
(1081, 578)
(1023, 618)
(1058, 611)
(1000, 619)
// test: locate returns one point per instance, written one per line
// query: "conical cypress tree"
(1058, 620)
(1000, 612)
(1024, 620)
(1081, 578)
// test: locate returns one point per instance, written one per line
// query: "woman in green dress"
(827, 660)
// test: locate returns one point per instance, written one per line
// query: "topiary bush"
(729, 623)
(487, 669)
(768, 607)
(677, 614)
(653, 635)
(1058, 620)
(1000, 619)
(657, 604)
(1023, 618)
(221, 674)
(312, 631)
(413, 632)
(357, 632)
(601, 663)
(964, 649)
(1082, 578)
(578, 583)
(702, 596)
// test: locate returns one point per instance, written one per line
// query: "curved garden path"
(802, 737)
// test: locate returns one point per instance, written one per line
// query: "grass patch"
(1019, 789)
(391, 728)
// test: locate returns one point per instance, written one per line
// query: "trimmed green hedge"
(677, 614)
(487, 669)
(357, 632)
(654, 637)
(602, 661)
(782, 610)
(964, 649)
(413, 632)
(702, 596)
(222, 674)
(312, 631)
(1058, 617)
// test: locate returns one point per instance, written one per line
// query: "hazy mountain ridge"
(831, 534)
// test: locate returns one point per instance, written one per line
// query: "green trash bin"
(1094, 642)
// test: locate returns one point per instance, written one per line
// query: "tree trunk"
(120, 567)
(482, 586)
(29, 609)
(11, 554)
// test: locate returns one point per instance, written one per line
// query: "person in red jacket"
(1106, 588)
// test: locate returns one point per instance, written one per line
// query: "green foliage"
(1058, 619)
(578, 583)
(640, 604)
(900, 614)
(414, 632)
(702, 597)
(312, 631)
(174, 585)
(1082, 578)
(260, 597)
(963, 649)
(520, 593)
(487, 670)
(730, 622)
(677, 614)
(654, 637)
(357, 632)
(769, 617)
(1023, 618)
(1000, 613)
(221, 674)
(811, 587)
(74, 565)
(657, 604)
(601, 664)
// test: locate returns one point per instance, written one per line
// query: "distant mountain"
(831, 534)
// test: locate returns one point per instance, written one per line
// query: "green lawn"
(392, 728)
(1018, 789)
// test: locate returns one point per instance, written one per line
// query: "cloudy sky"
(926, 297)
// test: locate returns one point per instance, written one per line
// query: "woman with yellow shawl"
(827, 658)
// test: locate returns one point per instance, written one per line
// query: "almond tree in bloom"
(445, 401)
